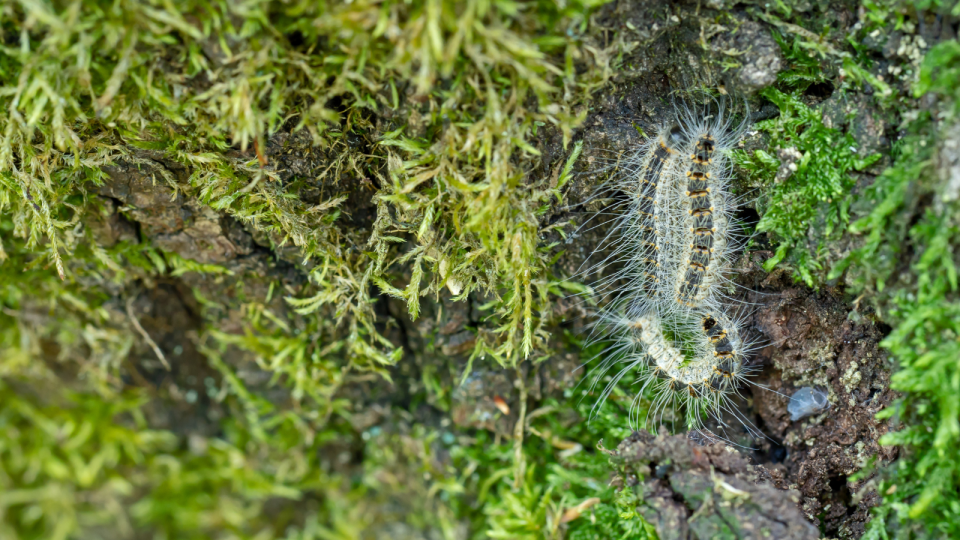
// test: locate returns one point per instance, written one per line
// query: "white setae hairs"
(667, 314)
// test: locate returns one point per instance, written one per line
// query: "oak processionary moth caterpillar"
(667, 315)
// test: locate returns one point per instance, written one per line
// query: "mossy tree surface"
(893, 243)
(298, 164)
(427, 110)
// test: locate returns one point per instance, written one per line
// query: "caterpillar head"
(675, 135)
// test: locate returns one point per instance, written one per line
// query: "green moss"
(566, 473)
(63, 465)
(193, 90)
(903, 260)
(811, 207)
(908, 259)
(438, 103)
(805, 202)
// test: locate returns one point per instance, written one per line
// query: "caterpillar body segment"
(727, 347)
(652, 220)
(707, 207)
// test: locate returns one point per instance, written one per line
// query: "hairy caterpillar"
(638, 238)
(675, 236)
(706, 206)
(656, 178)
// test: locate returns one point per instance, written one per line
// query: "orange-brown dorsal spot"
(667, 148)
(718, 337)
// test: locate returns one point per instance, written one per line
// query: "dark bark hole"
(821, 90)
(838, 486)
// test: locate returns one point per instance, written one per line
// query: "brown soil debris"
(818, 339)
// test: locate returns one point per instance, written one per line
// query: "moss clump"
(909, 258)
(386, 145)
(806, 166)
(475, 82)
(902, 243)
(811, 207)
